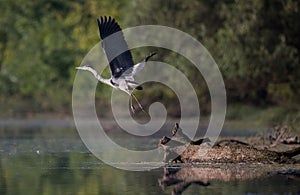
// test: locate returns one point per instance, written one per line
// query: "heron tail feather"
(149, 56)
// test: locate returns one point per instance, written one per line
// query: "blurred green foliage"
(255, 43)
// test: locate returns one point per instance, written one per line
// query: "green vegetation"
(255, 43)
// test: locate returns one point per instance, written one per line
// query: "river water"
(49, 157)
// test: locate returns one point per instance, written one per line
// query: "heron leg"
(137, 101)
(131, 105)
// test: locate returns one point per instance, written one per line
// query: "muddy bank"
(179, 148)
(235, 154)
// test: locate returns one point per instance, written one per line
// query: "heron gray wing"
(114, 45)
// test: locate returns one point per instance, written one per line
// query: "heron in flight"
(122, 67)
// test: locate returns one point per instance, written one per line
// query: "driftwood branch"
(281, 134)
(176, 145)
(291, 153)
(229, 141)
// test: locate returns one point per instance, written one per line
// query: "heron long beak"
(83, 67)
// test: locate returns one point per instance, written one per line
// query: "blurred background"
(255, 43)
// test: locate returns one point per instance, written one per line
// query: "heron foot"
(132, 109)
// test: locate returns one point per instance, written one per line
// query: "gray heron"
(122, 66)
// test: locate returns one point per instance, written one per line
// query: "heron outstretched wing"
(114, 45)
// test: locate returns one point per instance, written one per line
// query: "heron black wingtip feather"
(99, 22)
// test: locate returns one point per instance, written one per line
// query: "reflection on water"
(69, 173)
(180, 179)
(232, 178)
(52, 159)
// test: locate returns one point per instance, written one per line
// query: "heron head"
(90, 69)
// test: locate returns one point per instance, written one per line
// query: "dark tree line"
(255, 43)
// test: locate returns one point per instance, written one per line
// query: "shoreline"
(66, 118)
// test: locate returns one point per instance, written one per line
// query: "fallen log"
(181, 149)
